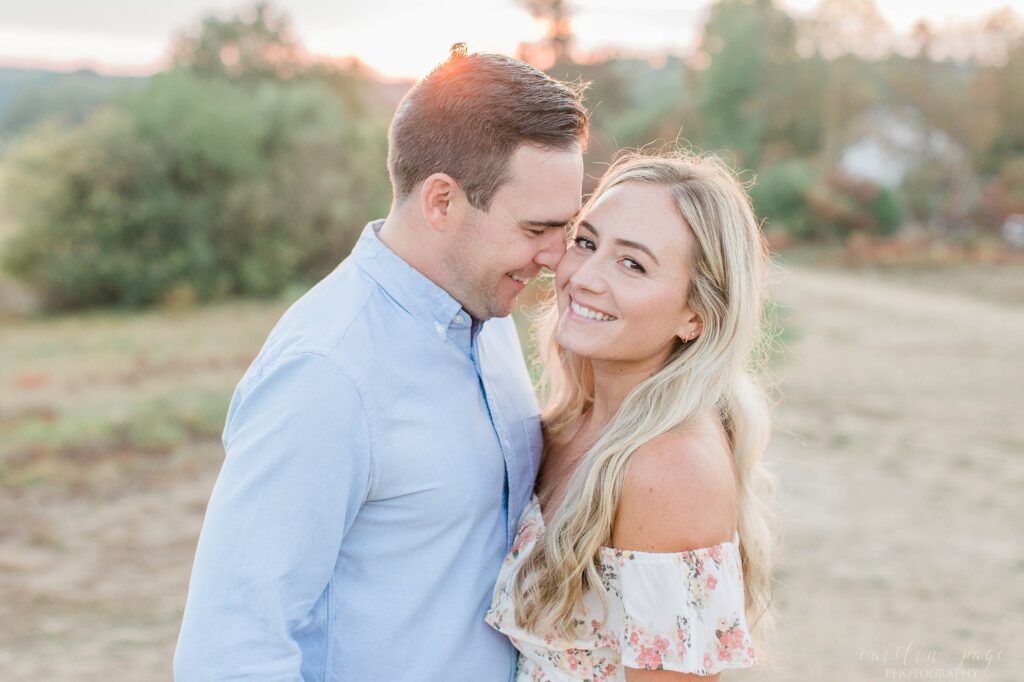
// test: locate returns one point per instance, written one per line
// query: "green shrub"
(884, 208)
(1003, 195)
(780, 195)
(926, 189)
(842, 206)
(192, 188)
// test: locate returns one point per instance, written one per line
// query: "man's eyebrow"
(551, 223)
(623, 242)
(547, 223)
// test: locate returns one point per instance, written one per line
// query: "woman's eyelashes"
(630, 264)
(634, 266)
(584, 243)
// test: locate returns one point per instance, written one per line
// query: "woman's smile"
(588, 313)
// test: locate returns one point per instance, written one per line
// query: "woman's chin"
(571, 341)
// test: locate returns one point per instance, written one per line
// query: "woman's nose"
(589, 275)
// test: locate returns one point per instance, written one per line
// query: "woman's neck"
(613, 381)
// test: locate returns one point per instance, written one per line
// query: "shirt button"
(458, 319)
(440, 328)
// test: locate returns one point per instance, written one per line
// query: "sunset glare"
(396, 39)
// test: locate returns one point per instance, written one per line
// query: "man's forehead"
(529, 159)
(544, 186)
(534, 211)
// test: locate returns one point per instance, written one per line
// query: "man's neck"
(407, 243)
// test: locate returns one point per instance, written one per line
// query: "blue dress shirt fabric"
(380, 450)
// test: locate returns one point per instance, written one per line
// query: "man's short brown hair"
(469, 115)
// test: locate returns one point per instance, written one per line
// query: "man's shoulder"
(328, 320)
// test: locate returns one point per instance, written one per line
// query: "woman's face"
(621, 287)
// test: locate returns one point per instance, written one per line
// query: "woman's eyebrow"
(623, 242)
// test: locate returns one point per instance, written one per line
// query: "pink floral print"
(665, 611)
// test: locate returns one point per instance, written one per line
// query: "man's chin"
(497, 305)
(495, 314)
(501, 310)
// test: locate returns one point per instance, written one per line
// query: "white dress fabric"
(679, 611)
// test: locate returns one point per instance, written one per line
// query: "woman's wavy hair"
(716, 371)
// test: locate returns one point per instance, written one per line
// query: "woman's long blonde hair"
(713, 372)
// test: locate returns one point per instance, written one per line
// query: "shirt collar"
(411, 289)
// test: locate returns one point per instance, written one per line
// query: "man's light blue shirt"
(380, 450)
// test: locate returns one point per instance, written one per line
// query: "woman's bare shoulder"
(679, 492)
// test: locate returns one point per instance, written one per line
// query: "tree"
(1009, 105)
(555, 16)
(244, 168)
(253, 45)
(742, 95)
(843, 27)
(259, 45)
(193, 188)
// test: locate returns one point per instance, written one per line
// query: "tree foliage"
(555, 47)
(254, 45)
(749, 48)
(202, 184)
(250, 164)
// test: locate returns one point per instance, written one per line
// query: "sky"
(397, 38)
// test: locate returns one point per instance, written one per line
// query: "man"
(381, 447)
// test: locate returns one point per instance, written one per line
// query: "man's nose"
(552, 249)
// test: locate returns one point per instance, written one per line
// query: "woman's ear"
(441, 201)
(691, 327)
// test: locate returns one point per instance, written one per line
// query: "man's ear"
(442, 201)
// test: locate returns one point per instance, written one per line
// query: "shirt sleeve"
(681, 611)
(297, 470)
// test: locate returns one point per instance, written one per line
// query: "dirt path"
(92, 586)
(901, 457)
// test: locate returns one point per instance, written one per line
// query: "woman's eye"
(584, 243)
(633, 265)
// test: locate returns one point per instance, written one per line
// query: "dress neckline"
(734, 542)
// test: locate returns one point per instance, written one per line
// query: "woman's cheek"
(567, 266)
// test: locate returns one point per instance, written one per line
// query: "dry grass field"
(900, 453)
(900, 449)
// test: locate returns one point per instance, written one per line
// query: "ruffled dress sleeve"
(678, 611)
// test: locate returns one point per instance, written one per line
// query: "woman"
(627, 564)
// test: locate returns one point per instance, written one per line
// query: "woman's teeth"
(587, 312)
(521, 280)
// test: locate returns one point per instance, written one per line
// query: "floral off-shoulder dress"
(678, 611)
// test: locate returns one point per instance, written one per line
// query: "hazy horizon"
(127, 38)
